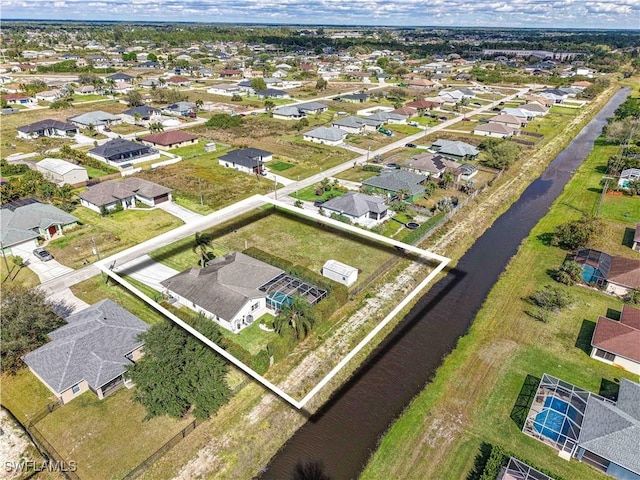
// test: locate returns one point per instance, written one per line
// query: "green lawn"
(309, 194)
(87, 98)
(95, 172)
(24, 394)
(404, 129)
(355, 174)
(113, 233)
(108, 437)
(625, 209)
(16, 274)
(280, 166)
(252, 338)
(472, 396)
(95, 289)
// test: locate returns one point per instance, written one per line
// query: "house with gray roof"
(350, 124)
(454, 149)
(108, 195)
(495, 130)
(98, 119)
(272, 93)
(248, 160)
(143, 115)
(289, 113)
(62, 172)
(313, 107)
(325, 135)
(227, 290)
(610, 435)
(119, 152)
(395, 182)
(360, 208)
(24, 224)
(388, 117)
(47, 128)
(91, 352)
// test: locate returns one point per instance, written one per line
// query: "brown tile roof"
(625, 271)
(169, 138)
(631, 316)
(617, 338)
(108, 192)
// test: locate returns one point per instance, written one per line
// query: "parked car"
(411, 145)
(465, 119)
(106, 129)
(477, 103)
(412, 124)
(392, 165)
(318, 203)
(42, 254)
(495, 109)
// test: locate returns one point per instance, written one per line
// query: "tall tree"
(178, 372)
(202, 246)
(27, 317)
(296, 316)
(258, 84)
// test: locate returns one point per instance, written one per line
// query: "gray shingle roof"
(144, 111)
(349, 122)
(312, 106)
(398, 180)
(45, 124)
(610, 432)
(114, 149)
(288, 111)
(94, 118)
(92, 347)
(455, 148)
(225, 285)
(247, 157)
(329, 134)
(22, 223)
(108, 192)
(356, 204)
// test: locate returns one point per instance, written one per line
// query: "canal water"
(343, 434)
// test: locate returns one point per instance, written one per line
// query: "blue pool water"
(590, 274)
(551, 421)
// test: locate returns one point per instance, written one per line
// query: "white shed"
(61, 172)
(340, 272)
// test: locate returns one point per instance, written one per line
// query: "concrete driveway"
(46, 270)
(184, 214)
(146, 270)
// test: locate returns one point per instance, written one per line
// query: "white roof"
(339, 267)
(55, 165)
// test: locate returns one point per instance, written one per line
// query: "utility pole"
(275, 187)
(604, 192)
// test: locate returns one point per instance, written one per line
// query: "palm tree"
(156, 127)
(295, 315)
(268, 105)
(203, 243)
(199, 104)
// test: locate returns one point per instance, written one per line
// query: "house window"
(255, 306)
(605, 355)
(75, 389)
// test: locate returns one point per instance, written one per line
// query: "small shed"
(210, 147)
(340, 272)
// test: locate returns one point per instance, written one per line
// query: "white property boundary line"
(299, 404)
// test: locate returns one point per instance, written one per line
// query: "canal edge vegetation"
(470, 402)
(229, 424)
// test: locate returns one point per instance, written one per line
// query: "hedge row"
(494, 461)
(419, 232)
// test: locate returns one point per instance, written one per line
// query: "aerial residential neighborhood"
(408, 252)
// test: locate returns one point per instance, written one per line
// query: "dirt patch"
(12, 447)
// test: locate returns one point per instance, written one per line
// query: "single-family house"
(227, 290)
(86, 90)
(142, 115)
(98, 119)
(184, 109)
(496, 130)
(325, 135)
(120, 152)
(229, 73)
(425, 104)
(554, 94)
(398, 182)
(288, 113)
(91, 352)
(457, 150)
(47, 128)
(18, 99)
(358, 207)
(519, 113)
(351, 124)
(534, 109)
(248, 160)
(340, 272)
(617, 342)
(431, 165)
(312, 108)
(170, 139)
(388, 117)
(422, 84)
(62, 172)
(122, 87)
(617, 275)
(407, 112)
(108, 195)
(121, 77)
(48, 95)
(24, 222)
(509, 120)
(272, 93)
(227, 89)
(628, 175)
(178, 81)
(354, 98)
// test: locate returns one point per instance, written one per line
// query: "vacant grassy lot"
(111, 234)
(471, 399)
(17, 274)
(355, 174)
(287, 237)
(309, 193)
(110, 436)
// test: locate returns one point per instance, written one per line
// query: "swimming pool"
(590, 274)
(277, 299)
(552, 421)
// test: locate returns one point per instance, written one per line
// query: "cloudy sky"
(508, 13)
